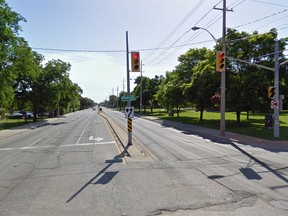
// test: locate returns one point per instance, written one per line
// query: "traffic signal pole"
(223, 72)
(276, 131)
(223, 75)
(129, 120)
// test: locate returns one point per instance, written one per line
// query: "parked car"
(28, 114)
(16, 114)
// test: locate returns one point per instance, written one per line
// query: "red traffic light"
(135, 61)
(220, 61)
(136, 56)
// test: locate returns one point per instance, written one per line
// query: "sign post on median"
(129, 114)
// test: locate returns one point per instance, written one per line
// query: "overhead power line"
(177, 27)
(77, 50)
(270, 3)
(187, 42)
(114, 51)
(162, 58)
(236, 3)
(254, 21)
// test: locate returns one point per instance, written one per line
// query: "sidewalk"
(229, 137)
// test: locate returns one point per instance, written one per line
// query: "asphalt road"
(259, 174)
(74, 166)
(51, 170)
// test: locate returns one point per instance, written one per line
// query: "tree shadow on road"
(105, 179)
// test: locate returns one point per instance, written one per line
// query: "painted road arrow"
(97, 139)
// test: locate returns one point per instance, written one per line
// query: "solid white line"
(87, 144)
(30, 146)
(82, 133)
(34, 142)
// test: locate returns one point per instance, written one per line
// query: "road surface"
(75, 166)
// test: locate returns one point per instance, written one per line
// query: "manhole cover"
(281, 204)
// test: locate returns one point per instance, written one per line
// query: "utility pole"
(223, 74)
(276, 132)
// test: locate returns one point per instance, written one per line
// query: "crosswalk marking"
(60, 146)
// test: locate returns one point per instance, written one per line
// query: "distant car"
(94, 108)
(16, 115)
(29, 114)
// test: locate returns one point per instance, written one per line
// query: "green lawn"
(11, 123)
(254, 126)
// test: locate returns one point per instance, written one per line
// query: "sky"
(91, 34)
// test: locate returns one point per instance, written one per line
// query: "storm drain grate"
(280, 204)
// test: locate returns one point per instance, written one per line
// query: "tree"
(197, 78)
(149, 89)
(121, 104)
(188, 61)
(24, 81)
(145, 91)
(154, 84)
(170, 94)
(27, 66)
(74, 95)
(86, 103)
(247, 85)
(9, 28)
(50, 87)
(204, 84)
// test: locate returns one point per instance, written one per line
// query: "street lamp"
(195, 28)
(222, 103)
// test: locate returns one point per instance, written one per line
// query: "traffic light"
(271, 91)
(220, 61)
(135, 61)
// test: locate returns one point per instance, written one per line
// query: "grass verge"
(253, 126)
(11, 123)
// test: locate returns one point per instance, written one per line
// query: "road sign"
(128, 98)
(129, 112)
(274, 104)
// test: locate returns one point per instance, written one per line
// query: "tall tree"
(204, 81)
(204, 84)
(247, 85)
(170, 94)
(9, 29)
(50, 87)
(149, 89)
(27, 66)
